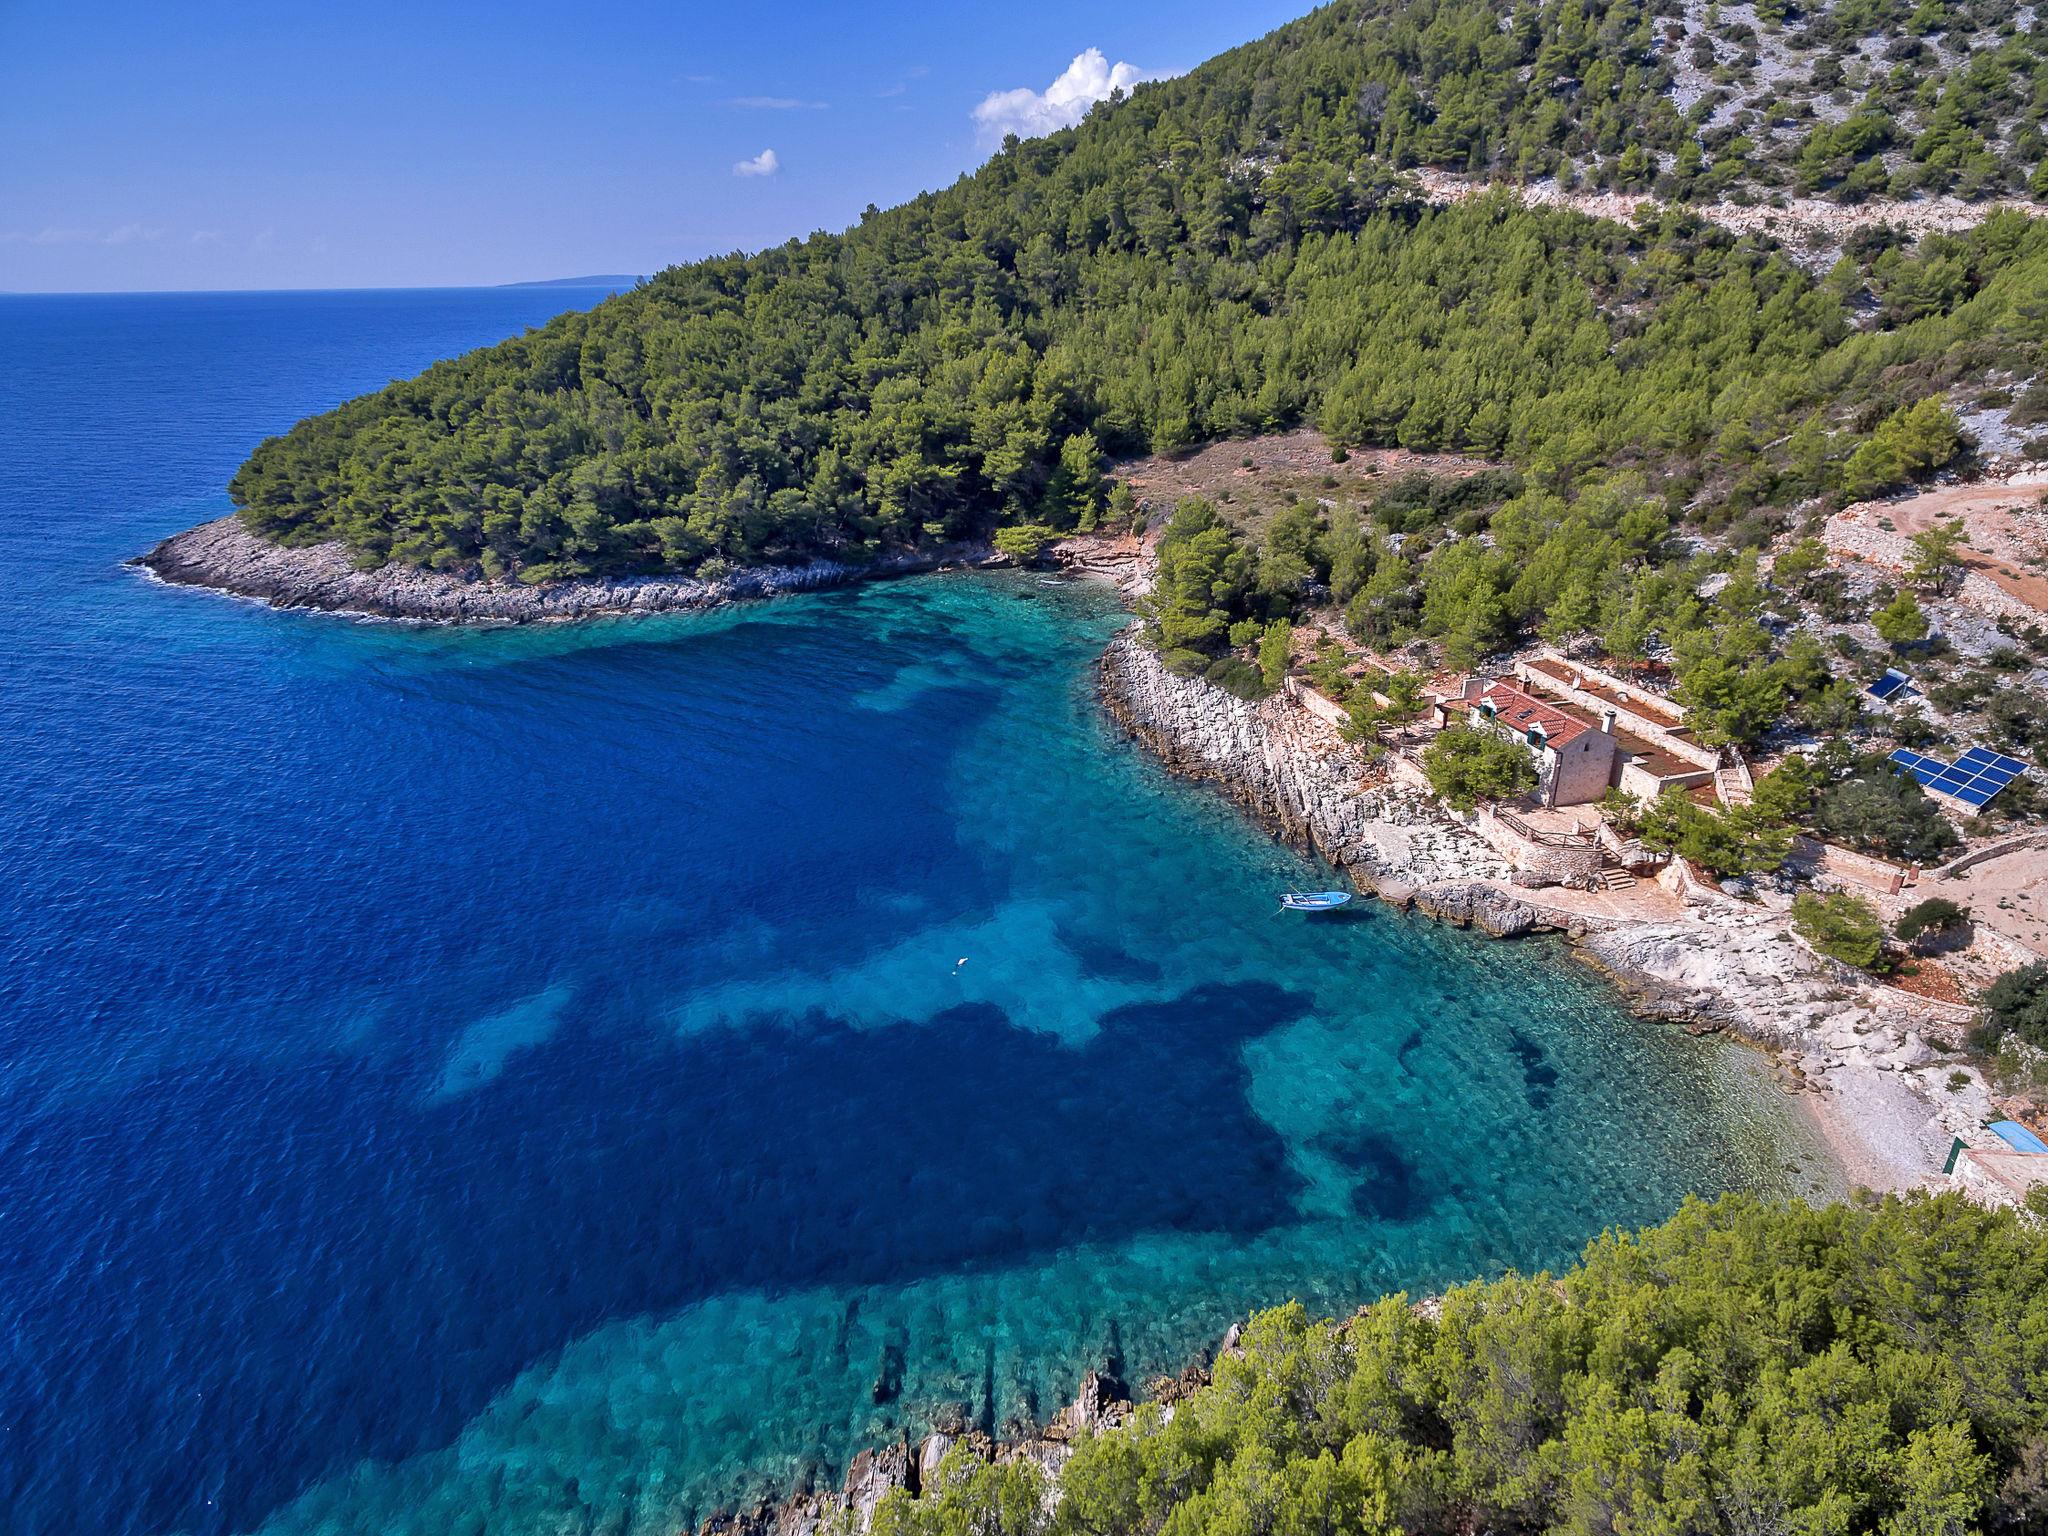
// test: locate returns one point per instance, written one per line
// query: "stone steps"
(1614, 876)
(1729, 786)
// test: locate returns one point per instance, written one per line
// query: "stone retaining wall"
(1866, 870)
(1549, 863)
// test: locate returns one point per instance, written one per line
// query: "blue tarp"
(2017, 1136)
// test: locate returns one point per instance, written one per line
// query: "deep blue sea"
(546, 1079)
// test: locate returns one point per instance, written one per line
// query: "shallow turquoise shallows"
(463, 1080)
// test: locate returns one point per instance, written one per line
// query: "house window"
(1536, 736)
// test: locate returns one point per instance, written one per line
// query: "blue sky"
(210, 145)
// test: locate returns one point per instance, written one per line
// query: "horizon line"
(566, 283)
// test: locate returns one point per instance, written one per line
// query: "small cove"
(462, 1078)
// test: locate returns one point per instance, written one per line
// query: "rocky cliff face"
(1295, 776)
(225, 557)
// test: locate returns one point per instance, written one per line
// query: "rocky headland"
(224, 556)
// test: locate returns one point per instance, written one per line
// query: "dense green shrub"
(1880, 810)
(1743, 840)
(1930, 923)
(1276, 644)
(1744, 1367)
(1203, 576)
(1025, 542)
(2017, 1004)
(1900, 622)
(1840, 926)
(1466, 766)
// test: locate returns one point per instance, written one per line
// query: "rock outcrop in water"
(225, 557)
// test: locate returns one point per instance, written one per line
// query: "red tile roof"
(1520, 711)
(1645, 704)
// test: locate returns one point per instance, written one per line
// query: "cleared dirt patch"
(1251, 478)
(2008, 893)
(1928, 978)
(2005, 533)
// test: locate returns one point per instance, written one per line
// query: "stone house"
(1574, 755)
(1656, 748)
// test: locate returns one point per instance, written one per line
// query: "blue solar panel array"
(1892, 681)
(1972, 778)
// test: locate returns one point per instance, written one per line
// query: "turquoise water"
(527, 1079)
(1434, 1106)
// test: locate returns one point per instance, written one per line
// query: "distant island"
(598, 280)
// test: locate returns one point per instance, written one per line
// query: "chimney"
(1607, 722)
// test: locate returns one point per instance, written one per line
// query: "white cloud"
(915, 72)
(1027, 113)
(766, 163)
(126, 234)
(776, 104)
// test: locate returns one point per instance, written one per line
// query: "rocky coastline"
(1866, 1076)
(1103, 1402)
(1877, 1077)
(1879, 1072)
(1293, 774)
(224, 556)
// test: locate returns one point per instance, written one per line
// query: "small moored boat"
(1314, 901)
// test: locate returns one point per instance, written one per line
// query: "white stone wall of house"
(1646, 786)
(1585, 767)
(1546, 772)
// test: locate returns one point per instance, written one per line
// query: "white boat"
(1314, 901)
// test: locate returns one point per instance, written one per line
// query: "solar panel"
(1972, 779)
(1892, 681)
